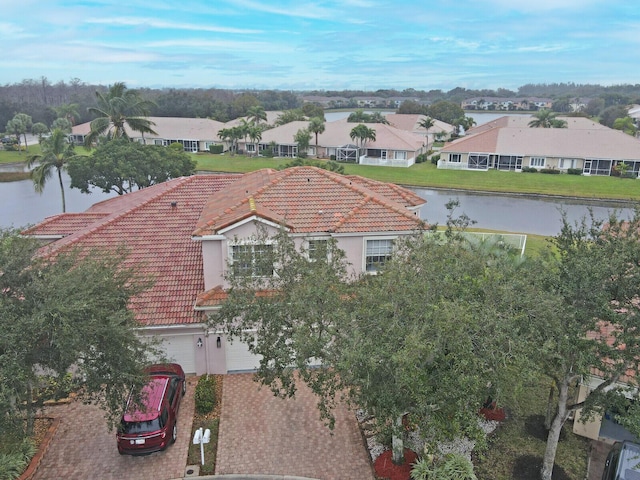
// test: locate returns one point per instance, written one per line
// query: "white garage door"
(179, 349)
(239, 358)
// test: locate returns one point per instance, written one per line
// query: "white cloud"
(161, 24)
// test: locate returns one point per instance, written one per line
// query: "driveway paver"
(263, 434)
(83, 448)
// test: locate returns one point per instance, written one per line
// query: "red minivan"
(150, 427)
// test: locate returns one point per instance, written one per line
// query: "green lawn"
(519, 443)
(427, 175)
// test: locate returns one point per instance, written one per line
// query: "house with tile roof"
(509, 144)
(392, 147)
(186, 233)
(411, 123)
(195, 134)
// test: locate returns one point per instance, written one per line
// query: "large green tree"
(302, 138)
(57, 152)
(55, 321)
(427, 336)
(445, 111)
(19, 126)
(116, 111)
(121, 166)
(585, 318)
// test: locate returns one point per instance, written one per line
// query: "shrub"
(205, 395)
(550, 170)
(529, 170)
(216, 148)
(574, 171)
(452, 466)
(435, 158)
(421, 158)
(332, 157)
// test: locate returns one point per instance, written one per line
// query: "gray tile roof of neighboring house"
(172, 128)
(550, 142)
(336, 134)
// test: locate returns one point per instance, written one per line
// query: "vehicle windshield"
(629, 465)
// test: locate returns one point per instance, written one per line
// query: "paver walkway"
(83, 448)
(262, 434)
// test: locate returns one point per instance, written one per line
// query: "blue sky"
(321, 44)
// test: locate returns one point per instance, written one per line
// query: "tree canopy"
(57, 152)
(426, 335)
(117, 110)
(55, 321)
(121, 166)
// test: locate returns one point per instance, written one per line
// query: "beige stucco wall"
(591, 428)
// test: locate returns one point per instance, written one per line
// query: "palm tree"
(426, 123)
(56, 153)
(316, 126)
(257, 114)
(545, 118)
(68, 111)
(117, 109)
(255, 135)
(363, 134)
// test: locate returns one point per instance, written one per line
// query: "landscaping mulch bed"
(386, 469)
(209, 420)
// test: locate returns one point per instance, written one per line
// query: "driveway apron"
(263, 434)
(83, 448)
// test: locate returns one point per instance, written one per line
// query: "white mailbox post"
(201, 438)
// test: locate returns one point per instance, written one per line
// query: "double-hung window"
(317, 249)
(377, 253)
(537, 162)
(254, 260)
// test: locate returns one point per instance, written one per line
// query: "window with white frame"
(317, 249)
(251, 147)
(311, 151)
(537, 162)
(377, 253)
(400, 155)
(255, 260)
(455, 157)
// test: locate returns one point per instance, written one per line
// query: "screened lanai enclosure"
(348, 153)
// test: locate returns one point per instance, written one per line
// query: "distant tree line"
(41, 99)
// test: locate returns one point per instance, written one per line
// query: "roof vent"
(174, 204)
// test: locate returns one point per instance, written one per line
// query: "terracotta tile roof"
(311, 200)
(64, 224)
(158, 236)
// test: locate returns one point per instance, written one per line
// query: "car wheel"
(174, 435)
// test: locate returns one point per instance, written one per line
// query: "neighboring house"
(411, 123)
(392, 146)
(585, 145)
(506, 104)
(186, 233)
(195, 134)
(602, 425)
(634, 112)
